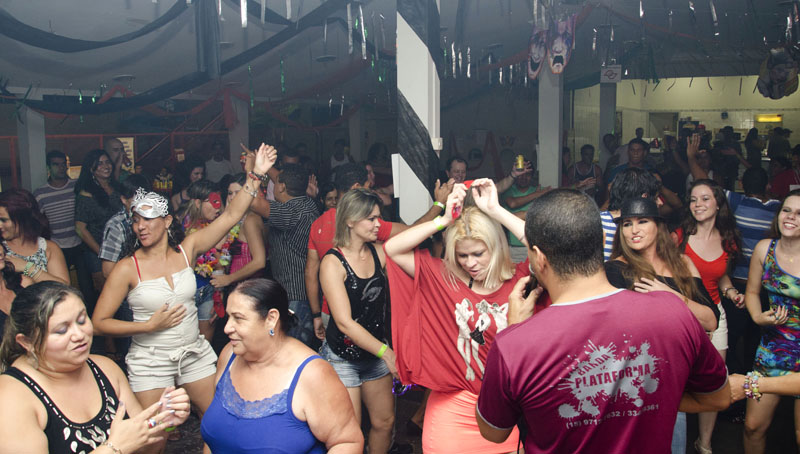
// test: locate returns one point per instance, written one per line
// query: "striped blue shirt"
(753, 218)
(609, 230)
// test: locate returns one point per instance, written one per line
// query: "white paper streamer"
(460, 62)
(490, 71)
(263, 11)
(363, 32)
(188, 2)
(641, 10)
(511, 74)
(383, 31)
(341, 108)
(453, 58)
(219, 11)
(350, 29)
(500, 79)
(243, 8)
(330, 106)
(469, 63)
(325, 37)
(288, 9)
(714, 19)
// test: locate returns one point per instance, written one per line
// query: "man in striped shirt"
(56, 201)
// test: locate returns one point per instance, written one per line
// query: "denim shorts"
(354, 373)
(204, 300)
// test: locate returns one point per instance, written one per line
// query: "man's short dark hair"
(453, 159)
(295, 177)
(632, 182)
(565, 225)
(54, 154)
(349, 174)
(127, 187)
(754, 180)
(639, 141)
(340, 143)
(587, 147)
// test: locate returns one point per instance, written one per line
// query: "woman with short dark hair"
(272, 393)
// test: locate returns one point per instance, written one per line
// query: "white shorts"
(160, 367)
(720, 336)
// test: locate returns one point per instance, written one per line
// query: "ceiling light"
(769, 118)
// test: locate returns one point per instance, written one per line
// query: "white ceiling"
(169, 53)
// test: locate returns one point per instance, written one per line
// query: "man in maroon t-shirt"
(320, 238)
(601, 369)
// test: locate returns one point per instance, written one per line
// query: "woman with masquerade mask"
(158, 281)
(203, 207)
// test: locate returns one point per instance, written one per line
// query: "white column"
(551, 105)
(240, 133)
(608, 110)
(418, 82)
(31, 150)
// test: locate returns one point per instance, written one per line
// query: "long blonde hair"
(473, 224)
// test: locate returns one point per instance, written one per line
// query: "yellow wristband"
(439, 204)
(382, 351)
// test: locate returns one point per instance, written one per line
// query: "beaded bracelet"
(751, 386)
(111, 447)
(256, 176)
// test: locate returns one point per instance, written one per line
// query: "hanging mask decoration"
(778, 75)
(560, 43)
(537, 52)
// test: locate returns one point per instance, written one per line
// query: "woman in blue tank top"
(273, 394)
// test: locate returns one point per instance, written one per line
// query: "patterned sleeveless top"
(38, 258)
(779, 351)
(65, 436)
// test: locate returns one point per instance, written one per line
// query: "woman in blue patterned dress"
(775, 267)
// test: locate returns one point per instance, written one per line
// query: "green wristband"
(382, 351)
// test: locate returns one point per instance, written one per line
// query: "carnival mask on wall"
(537, 51)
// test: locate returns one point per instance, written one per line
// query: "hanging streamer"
(383, 31)
(341, 108)
(330, 106)
(283, 78)
(188, 2)
(511, 74)
(363, 32)
(219, 10)
(594, 43)
(325, 37)
(250, 86)
(243, 10)
(350, 29)
(714, 19)
(263, 11)
(377, 55)
(444, 50)
(535, 12)
(288, 9)
(460, 63)
(469, 63)
(641, 10)
(453, 59)
(80, 96)
(500, 75)
(490, 71)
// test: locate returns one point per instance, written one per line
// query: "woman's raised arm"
(400, 248)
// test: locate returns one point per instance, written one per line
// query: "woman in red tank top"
(708, 236)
